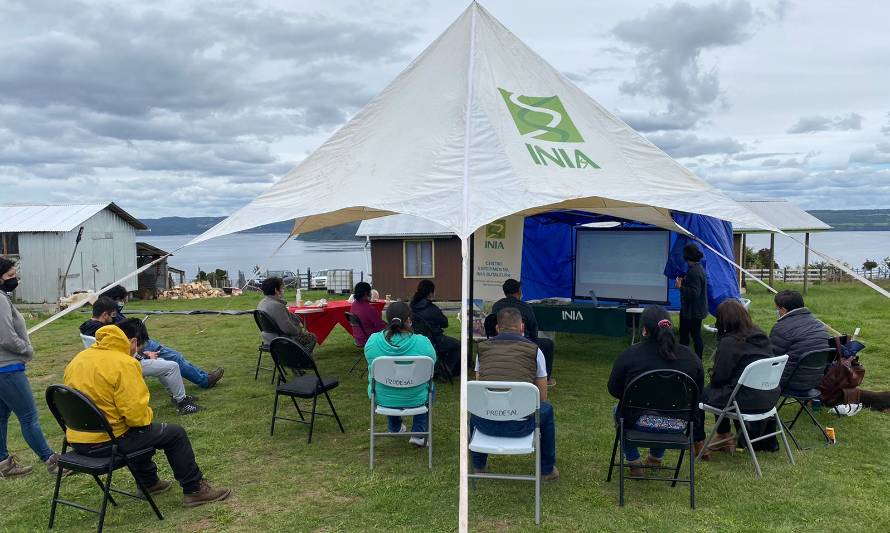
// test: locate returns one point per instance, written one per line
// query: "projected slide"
(622, 265)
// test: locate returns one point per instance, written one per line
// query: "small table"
(635, 313)
(321, 320)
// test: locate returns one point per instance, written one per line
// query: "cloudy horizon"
(194, 109)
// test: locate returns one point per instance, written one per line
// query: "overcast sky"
(194, 108)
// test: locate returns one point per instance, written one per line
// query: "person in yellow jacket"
(111, 377)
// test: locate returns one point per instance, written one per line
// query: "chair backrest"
(490, 324)
(266, 323)
(502, 400)
(665, 392)
(810, 369)
(73, 409)
(355, 323)
(764, 374)
(87, 340)
(287, 353)
(403, 371)
(746, 303)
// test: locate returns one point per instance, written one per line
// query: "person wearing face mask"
(167, 372)
(273, 304)
(111, 377)
(153, 348)
(15, 391)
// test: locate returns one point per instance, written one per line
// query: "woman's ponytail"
(657, 323)
(397, 315)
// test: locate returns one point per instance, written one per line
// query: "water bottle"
(593, 299)
(299, 301)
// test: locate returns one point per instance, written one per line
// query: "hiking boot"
(187, 406)
(727, 443)
(52, 465)
(214, 377)
(636, 467)
(9, 468)
(206, 494)
(706, 455)
(160, 487)
(654, 461)
(552, 476)
(420, 442)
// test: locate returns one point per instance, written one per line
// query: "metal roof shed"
(42, 238)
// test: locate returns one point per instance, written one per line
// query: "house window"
(418, 259)
(9, 243)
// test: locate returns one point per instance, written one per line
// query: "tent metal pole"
(806, 262)
(742, 255)
(469, 316)
(772, 258)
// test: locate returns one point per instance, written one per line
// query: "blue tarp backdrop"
(548, 255)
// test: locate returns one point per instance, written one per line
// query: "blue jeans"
(188, 370)
(418, 422)
(16, 397)
(520, 428)
(631, 453)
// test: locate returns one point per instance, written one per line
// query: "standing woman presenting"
(693, 299)
(15, 391)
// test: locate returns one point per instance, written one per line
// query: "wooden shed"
(156, 278)
(43, 239)
(407, 249)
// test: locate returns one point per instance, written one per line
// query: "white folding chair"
(87, 340)
(401, 373)
(764, 374)
(504, 401)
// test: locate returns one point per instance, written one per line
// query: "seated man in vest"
(513, 298)
(273, 304)
(167, 372)
(797, 331)
(510, 356)
(109, 375)
(198, 376)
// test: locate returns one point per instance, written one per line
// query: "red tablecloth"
(321, 320)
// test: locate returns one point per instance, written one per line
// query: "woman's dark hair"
(657, 323)
(733, 319)
(5, 265)
(118, 292)
(692, 253)
(270, 285)
(397, 316)
(424, 289)
(134, 328)
(362, 290)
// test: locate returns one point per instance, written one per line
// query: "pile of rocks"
(192, 291)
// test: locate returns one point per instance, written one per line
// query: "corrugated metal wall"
(109, 243)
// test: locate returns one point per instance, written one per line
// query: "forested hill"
(855, 219)
(198, 225)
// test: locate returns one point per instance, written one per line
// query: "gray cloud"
(814, 123)
(879, 155)
(690, 145)
(886, 129)
(669, 41)
(759, 155)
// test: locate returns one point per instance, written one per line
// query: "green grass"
(282, 484)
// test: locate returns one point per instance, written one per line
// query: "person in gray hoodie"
(15, 391)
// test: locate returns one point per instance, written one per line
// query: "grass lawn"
(282, 484)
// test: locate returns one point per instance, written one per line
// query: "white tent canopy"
(479, 127)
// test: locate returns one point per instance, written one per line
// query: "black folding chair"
(801, 388)
(422, 327)
(288, 354)
(663, 393)
(356, 325)
(74, 410)
(266, 325)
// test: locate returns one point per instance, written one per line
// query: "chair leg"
(274, 413)
(297, 405)
(373, 429)
(799, 411)
(710, 437)
(259, 360)
(691, 475)
(146, 495)
(785, 440)
(355, 364)
(106, 494)
(537, 476)
(612, 460)
(816, 423)
(52, 509)
(101, 486)
(791, 434)
(334, 411)
(312, 419)
(677, 470)
(750, 447)
(429, 434)
(621, 469)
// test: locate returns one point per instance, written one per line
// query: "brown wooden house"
(407, 249)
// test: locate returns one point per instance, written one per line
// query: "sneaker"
(9, 468)
(187, 407)
(189, 397)
(654, 461)
(636, 468)
(214, 377)
(205, 494)
(420, 442)
(552, 476)
(52, 465)
(402, 429)
(160, 487)
(551, 383)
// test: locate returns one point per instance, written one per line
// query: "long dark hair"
(424, 289)
(733, 320)
(398, 314)
(657, 323)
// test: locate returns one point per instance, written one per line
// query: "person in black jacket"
(796, 332)
(431, 322)
(693, 299)
(741, 343)
(658, 351)
(513, 298)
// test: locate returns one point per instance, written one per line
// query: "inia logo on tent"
(544, 118)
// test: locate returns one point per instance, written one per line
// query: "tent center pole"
(806, 262)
